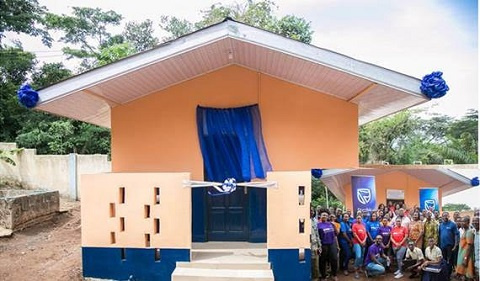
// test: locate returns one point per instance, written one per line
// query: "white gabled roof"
(450, 179)
(90, 96)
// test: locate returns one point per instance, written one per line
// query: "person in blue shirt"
(345, 240)
(351, 219)
(365, 217)
(373, 225)
(448, 235)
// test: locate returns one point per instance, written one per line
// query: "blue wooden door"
(227, 216)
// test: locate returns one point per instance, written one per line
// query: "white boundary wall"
(52, 172)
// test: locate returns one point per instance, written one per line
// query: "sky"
(411, 37)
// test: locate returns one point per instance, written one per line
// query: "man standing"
(376, 260)
(413, 259)
(405, 220)
(448, 233)
(430, 229)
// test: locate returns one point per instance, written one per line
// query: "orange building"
(401, 184)
(145, 219)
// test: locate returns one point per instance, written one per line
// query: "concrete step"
(204, 274)
(244, 265)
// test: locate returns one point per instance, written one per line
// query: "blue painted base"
(138, 264)
(287, 267)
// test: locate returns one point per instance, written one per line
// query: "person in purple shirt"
(328, 236)
(384, 231)
(376, 260)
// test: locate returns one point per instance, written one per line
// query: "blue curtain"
(232, 143)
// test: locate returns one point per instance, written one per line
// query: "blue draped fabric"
(232, 143)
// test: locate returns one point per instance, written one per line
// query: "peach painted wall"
(99, 219)
(284, 211)
(395, 180)
(302, 128)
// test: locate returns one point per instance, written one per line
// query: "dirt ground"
(48, 251)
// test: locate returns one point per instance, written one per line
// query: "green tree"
(115, 52)
(411, 136)
(380, 140)
(87, 29)
(23, 16)
(456, 207)
(50, 134)
(140, 35)
(259, 14)
(319, 197)
(15, 65)
(48, 74)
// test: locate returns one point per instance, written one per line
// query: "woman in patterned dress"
(465, 265)
(415, 231)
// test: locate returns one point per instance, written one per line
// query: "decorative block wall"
(288, 225)
(135, 224)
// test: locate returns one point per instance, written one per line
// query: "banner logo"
(364, 195)
(430, 204)
(429, 199)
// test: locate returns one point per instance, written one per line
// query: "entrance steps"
(225, 261)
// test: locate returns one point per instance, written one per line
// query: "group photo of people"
(394, 241)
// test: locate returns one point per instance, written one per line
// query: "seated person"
(434, 267)
(376, 260)
(413, 259)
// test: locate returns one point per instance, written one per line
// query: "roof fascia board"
(129, 64)
(240, 32)
(455, 175)
(325, 57)
(335, 172)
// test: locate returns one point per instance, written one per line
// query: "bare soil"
(47, 251)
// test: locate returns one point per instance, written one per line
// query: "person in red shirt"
(398, 238)
(359, 241)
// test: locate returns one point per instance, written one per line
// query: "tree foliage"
(407, 137)
(451, 207)
(86, 30)
(319, 197)
(23, 16)
(140, 35)
(259, 14)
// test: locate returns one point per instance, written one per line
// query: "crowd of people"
(420, 243)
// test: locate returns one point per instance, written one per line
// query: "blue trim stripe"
(287, 267)
(139, 264)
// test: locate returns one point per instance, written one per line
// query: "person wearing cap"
(413, 259)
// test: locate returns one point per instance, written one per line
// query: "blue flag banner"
(429, 199)
(363, 193)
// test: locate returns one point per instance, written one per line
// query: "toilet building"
(226, 100)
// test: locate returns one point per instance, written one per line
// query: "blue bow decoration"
(317, 173)
(27, 96)
(475, 181)
(433, 85)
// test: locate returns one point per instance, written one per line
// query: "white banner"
(395, 194)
